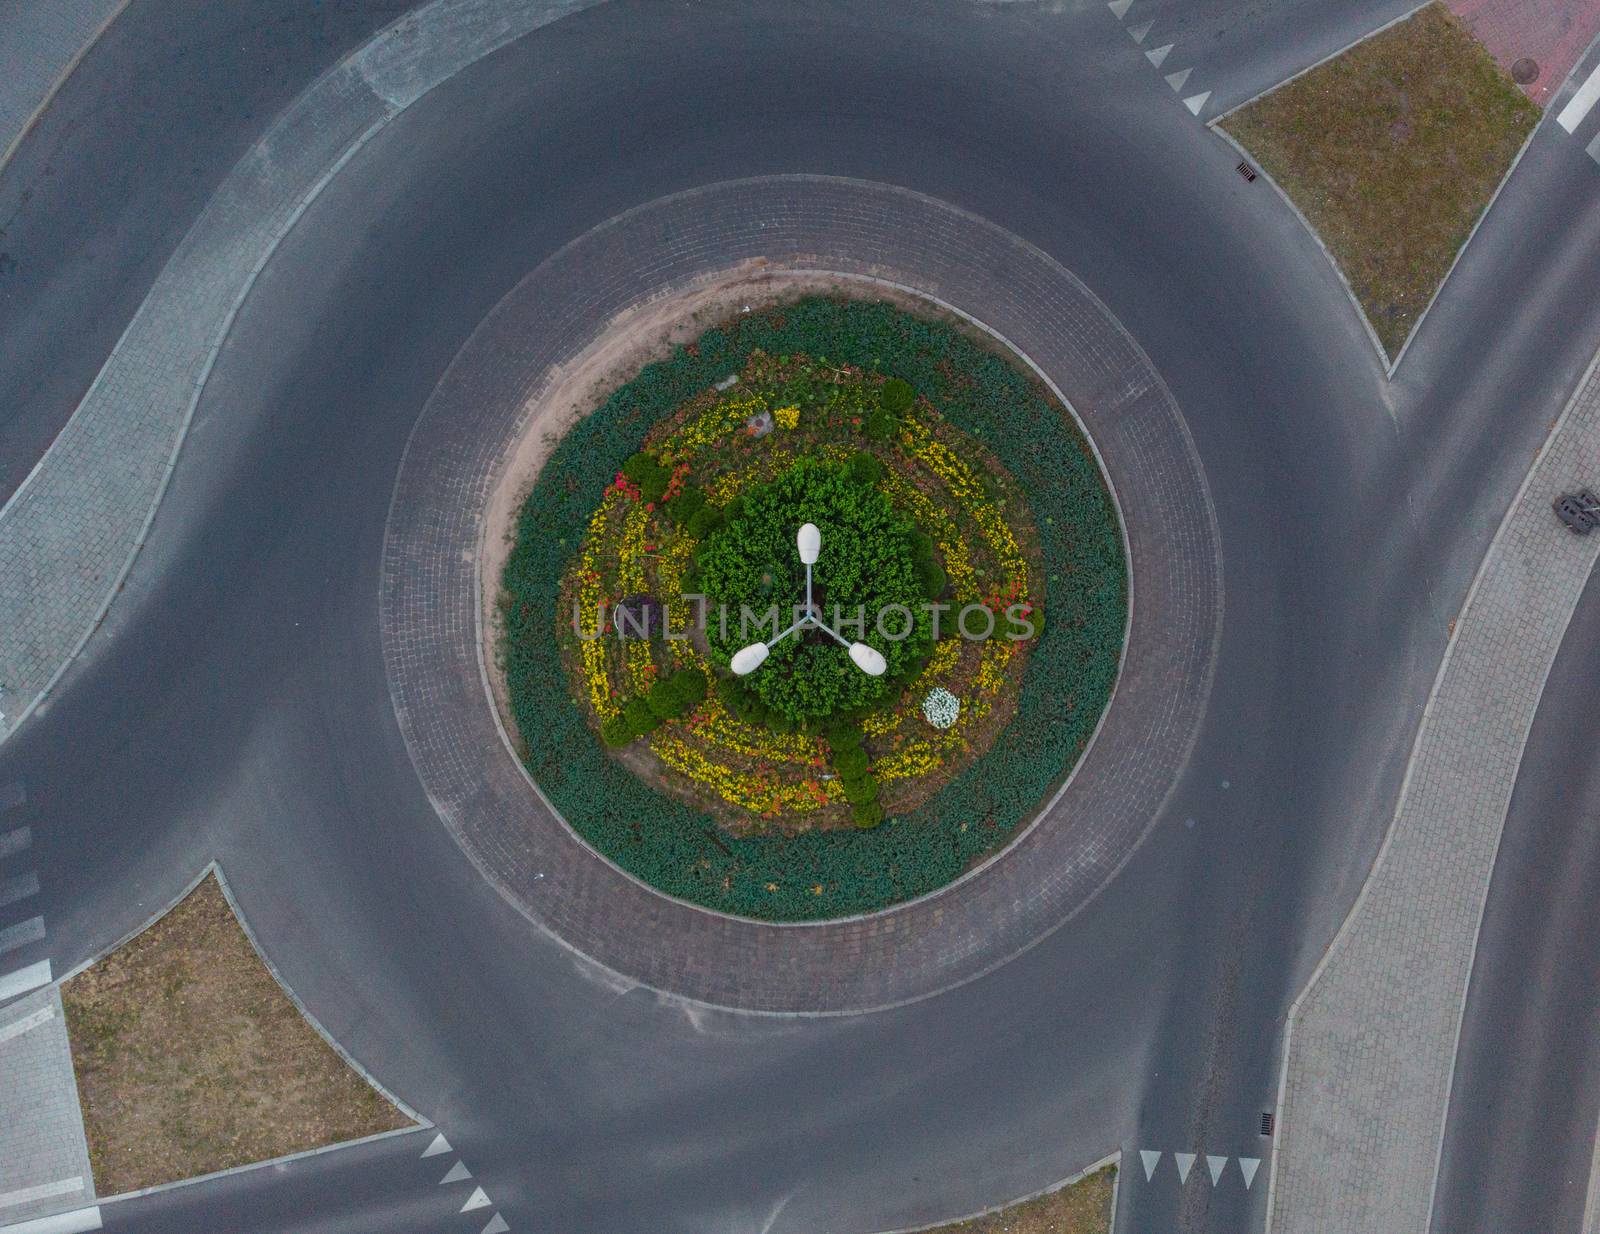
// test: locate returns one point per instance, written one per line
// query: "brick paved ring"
(430, 619)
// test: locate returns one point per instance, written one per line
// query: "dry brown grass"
(1392, 150)
(1082, 1208)
(190, 1058)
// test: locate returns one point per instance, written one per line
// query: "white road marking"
(1151, 1159)
(79, 1221)
(1119, 8)
(1158, 55)
(1248, 1167)
(1196, 101)
(497, 1225)
(21, 934)
(13, 842)
(1594, 149)
(17, 1027)
(1579, 104)
(19, 888)
(1176, 80)
(1138, 33)
(458, 1174)
(439, 1145)
(43, 1191)
(1185, 1164)
(476, 1200)
(1216, 1165)
(24, 979)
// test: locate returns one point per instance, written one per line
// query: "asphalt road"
(1526, 1100)
(235, 703)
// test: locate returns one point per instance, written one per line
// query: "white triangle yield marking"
(1185, 1164)
(1248, 1167)
(439, 1145)
(458, 1174)
(1176, 80)
(1196, 101)
(1158, 55)
(497, 1225)
(476, 1200)
(1216, 1165)
(1138, 32)
(1151, 1159)
(1119, 8)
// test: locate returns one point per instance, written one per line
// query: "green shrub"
(850, 762)
(688, 687)
(750, 562)
(663, 700)
(704, 521)
(858, 790)
(842, 732)
(867, 814)
(616, 731)
(778, 722)
(882, 425)
(642, 719)
(682, 508)
(896, 396)
(931, 578)
(734, 510)
(864, 468)
(730, 692)
(751, 709)
(651, 477)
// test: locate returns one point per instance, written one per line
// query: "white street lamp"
(747, 659)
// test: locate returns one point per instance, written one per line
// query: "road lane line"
(1579, 104)
(13, 842)
(44, 1191)
(21, 934)
(19, 888)
(32, 1020)
(24, 979)
(79, 1221)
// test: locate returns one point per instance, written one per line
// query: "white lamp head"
(747, 659)
(810, 543)
(866, 659)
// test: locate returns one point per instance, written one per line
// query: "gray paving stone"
(39, 42)
(70, 533)
(1372, 1040)
(44, 1158)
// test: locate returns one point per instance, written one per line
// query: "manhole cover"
(1524, 71)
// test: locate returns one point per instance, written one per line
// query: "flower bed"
(969, 487)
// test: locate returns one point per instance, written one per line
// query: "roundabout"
(951, 915)
(309, 678)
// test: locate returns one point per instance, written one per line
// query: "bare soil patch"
(191, 1058)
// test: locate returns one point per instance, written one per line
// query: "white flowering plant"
(941, 707)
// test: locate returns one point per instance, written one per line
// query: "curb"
(1113, 1161)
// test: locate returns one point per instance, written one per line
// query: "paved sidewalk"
(70, 532)
(40, 42)
(44, 1159)
(1372, 1040)
(1550, 33)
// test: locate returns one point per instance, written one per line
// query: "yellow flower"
(787, 417)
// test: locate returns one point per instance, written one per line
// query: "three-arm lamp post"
(747, 659)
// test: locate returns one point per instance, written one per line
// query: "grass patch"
(1392, 150)
(190, 1057)
(1082, 1208)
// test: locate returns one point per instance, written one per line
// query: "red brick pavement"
(1551, 33)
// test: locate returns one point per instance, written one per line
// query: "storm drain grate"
(1247, 171)
(1266, 1122)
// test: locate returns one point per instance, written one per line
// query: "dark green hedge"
(1069, 675)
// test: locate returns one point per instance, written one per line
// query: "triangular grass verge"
(1392, 150)
(191, 1058)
